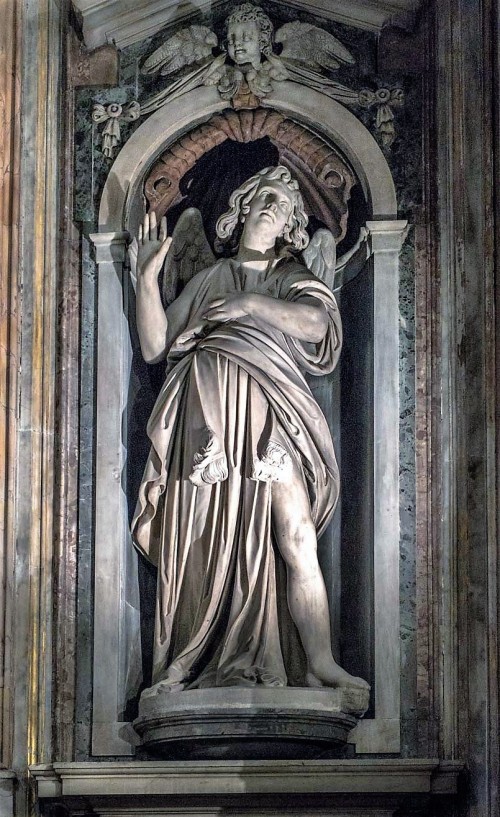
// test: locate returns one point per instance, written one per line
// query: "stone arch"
(315, 110)
(325, 177)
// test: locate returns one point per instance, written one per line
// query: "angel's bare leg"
(306, 593)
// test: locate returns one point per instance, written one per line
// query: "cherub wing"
(308, 50)
(313, 47)
(189, 253)
(189, 46)
(320, 256)
(207, 74)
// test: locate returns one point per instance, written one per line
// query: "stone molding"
(110, 247)
(239, 723)
(463, 389)
(213, 779)
(165, 126)
(386, 239)
(34, 682)
(107, 21)
(346, 131)
(387, 236)
(115, 589)
(10, 320)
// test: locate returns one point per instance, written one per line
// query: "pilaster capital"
(387, 236)
(110, 248)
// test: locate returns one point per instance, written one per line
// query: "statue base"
(236, 723)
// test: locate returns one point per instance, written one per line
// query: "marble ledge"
(258, 777)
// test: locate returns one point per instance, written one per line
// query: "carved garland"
(325, 178)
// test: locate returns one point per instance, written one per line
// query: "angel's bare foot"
(331, 675)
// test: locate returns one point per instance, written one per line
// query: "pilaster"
(466, 393)
(10, 128)
(116, 602)
(32, 600)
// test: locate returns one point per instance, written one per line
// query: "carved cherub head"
(293, 232)
(249, 34)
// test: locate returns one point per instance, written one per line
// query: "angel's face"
(270, 211)
(243, 43)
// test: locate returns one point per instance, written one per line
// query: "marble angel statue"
(247, 57)
(241, 478)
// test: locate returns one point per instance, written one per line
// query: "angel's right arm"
(190, 253)
(158, 329)
(152, 323)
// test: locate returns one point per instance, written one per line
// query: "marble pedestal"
(232, 723)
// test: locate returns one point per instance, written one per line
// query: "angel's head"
(270, 204)
(249, 34)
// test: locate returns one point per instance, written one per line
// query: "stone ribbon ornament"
(385, 99)
(113, 114)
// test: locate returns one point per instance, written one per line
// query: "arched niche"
(116, 605)
(311, 107)
(324, 176)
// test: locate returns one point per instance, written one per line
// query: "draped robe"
(234, 414)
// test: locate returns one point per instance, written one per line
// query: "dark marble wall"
(91, 168)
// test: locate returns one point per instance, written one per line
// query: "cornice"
(123, 23)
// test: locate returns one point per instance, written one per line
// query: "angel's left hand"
(189, 338)
(229, 307)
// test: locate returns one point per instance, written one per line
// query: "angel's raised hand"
(153, 247)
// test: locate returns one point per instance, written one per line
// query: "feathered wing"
(320, 256)
(352, 262)
(207, 74)
(189, 46)
(189, 253)
(312, 46)
(309, 50)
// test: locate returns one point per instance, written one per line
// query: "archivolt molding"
(312, 109)
(329, 177)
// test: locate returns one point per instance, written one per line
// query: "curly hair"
(248, 13)
(294, 233)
